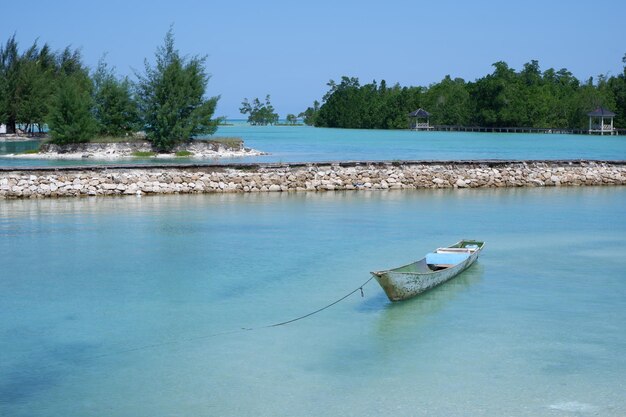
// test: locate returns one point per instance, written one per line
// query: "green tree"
(534, 101)
(399, 102)
(28, 82)
(71, 118)
(558, 94)
(617, 86)
(34, 87)
(448, 101)
(171, 99)
(3, 91)
(342, 105)
(9, 70)
(498, 98)
(292, 119)
(310, 114)
(114, 107)
(347, 104)
(590, 96)
(259, 114)
(70, 63)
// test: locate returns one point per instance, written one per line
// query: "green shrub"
(183, 154)
(116, 139)
(233, 143)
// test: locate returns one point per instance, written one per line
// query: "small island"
(79, 114)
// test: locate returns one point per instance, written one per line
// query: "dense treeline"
(504, 98)
(40, 87)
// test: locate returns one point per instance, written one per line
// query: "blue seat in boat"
(446, 258)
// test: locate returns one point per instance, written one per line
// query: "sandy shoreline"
(18, 138)
(118, 156)
(133, 150)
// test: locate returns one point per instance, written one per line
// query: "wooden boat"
(435, 268)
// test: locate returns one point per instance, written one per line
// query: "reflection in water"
(7, 147)
(397, 318)
(394, 328)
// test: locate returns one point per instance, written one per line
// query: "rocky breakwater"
(100, 181)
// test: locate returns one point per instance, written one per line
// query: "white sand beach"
(127, 150)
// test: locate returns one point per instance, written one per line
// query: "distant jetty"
(556, 130)
(301, 177)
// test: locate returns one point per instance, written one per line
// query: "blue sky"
(291, 49)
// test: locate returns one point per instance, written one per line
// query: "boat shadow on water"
(392, 328)
(397, 316)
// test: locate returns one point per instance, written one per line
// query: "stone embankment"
(140, 180)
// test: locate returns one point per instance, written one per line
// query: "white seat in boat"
(455, 250)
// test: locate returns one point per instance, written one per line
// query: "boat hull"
(400, 285)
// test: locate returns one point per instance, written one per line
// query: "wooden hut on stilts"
(601, 121)
(420, 120)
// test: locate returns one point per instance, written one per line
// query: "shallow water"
(304, 144)
(135, 306)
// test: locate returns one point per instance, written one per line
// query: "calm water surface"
(134, 306)
(303, 144)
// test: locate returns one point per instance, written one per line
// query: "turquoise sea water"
(135, 306)
(303, 144)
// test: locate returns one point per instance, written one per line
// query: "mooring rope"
(242, 329)
(318, 310)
